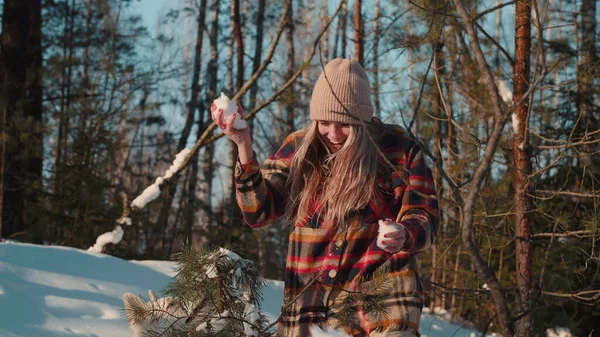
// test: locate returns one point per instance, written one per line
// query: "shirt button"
(339, 243)
(332, 273)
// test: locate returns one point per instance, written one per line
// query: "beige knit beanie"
(342, 94)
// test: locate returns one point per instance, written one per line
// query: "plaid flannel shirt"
(324, 264)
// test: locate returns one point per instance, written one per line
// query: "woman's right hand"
(240, 137)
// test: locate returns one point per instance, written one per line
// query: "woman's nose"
(335, 131)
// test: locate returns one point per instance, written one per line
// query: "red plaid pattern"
(324, 264)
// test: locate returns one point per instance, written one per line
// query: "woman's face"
(333, 134)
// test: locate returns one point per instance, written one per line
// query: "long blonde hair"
(343, 182)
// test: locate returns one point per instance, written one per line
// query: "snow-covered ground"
(55, 291)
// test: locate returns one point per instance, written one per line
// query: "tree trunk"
(290, 93)
(234, 214)
(21, 108)
(189, 215)
(412, 92)
(239, 41)
(260, 18)
(588, 62)
(376, 61)
(438, 113)
(359, 34)
(163, 219)
(522, 170)
(325, 38)
(453, 305)
(342, 32)
(65, 99)
(206, 214)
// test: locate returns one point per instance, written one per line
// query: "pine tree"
(215, 293)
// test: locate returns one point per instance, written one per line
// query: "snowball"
(385, 228)
(179, 158)
(229, 108)
(150, 193)
(109, 237)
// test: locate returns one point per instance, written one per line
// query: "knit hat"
(342, 94)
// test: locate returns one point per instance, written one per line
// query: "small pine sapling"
(215, 293)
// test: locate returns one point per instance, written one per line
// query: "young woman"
(335, 180)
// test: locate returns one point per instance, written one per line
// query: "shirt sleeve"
(262, 193)
(419, 212)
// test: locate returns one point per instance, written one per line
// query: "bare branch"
(572, 194)
(581, 233)
(483, 269)
(492, 9)
(585, 296)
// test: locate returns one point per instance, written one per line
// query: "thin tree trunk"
(82, 142)
(453, 305)
(522, 170)
(260, 18)
(336, 40)
(234, 213)
(438, 113)
(588, 62)
(163, 218)
(412, 92)
(56, 228)
(497, 36)
(291, 55)
(376, 60)
(206, 216)
(189, 215)
(239, 41)
(227, 203)
(325, 38)
(500, 263)
(342, 31)
(359, 34)
(64, 99)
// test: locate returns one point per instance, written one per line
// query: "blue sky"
(152, 10)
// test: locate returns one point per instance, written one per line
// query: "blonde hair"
(343, 182)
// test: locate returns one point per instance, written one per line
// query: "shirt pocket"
(310, 243)
(307, 252)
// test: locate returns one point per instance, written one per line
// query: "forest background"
(503, 96)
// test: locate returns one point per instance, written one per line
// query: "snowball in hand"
(229, 108)
(385, 226)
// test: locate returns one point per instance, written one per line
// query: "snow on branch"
(150, 193)
(109, 237)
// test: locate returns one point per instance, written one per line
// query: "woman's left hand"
(392, 236)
